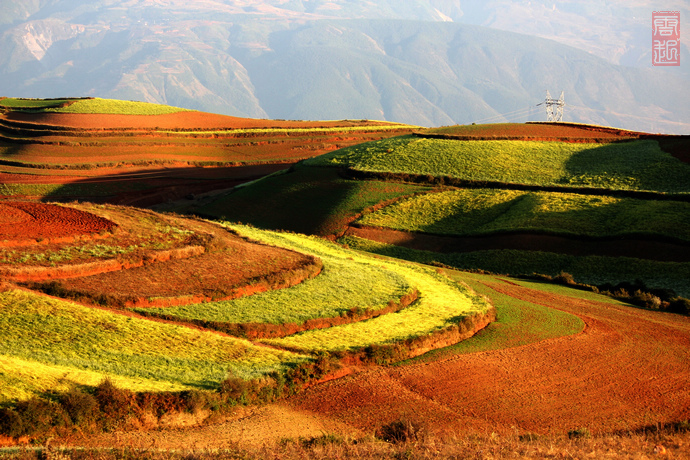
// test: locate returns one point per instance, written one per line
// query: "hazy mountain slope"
(254, 58)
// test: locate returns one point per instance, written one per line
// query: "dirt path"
(627, 369)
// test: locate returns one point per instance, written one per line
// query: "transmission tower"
(554, 107)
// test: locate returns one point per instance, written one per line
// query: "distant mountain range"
(405, 61)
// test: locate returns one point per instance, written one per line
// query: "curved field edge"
(638, 165)
(55, 332)
(444, 306)
(348, 288)
(518, 322)
(592, 270)
(473, 212)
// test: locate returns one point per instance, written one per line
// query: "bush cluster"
(636, 293)
(105, 407)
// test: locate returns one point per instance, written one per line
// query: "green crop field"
(488, 211)
(593, 270)
(632, 165)
(59, 334)
(518, 322)
(96, 105)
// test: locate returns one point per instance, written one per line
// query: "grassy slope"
(634, 165)
(487, 211)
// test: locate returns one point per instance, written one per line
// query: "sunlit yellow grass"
(21, 379)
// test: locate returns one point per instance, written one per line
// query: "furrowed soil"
(626, 370)
(23, 221)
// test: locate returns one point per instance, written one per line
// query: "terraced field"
(602, 204)
(127, 267)
(169, 306)
(137, 153)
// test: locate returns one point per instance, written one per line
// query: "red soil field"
(627, 369)
(178, 120)
(26, 221)
(241, 268)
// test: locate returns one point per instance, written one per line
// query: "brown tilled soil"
(241, 268)
(627, 369)
(27, 221)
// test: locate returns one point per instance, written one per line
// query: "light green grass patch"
(60, 333)
(487, 211)
(518, 322)
(633, 165)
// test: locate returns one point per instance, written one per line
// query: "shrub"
(115, 403)
(579, 433)
(679, 305)
(11, 423)
(81, 407)
(564, 278)
(234, 388)
(401, 431)
(39, 415)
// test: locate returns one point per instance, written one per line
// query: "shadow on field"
(304, 200)
(641, 165)
(145, 187)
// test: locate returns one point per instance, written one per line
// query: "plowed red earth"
(629, 368)
(178, 120)
(25, 221)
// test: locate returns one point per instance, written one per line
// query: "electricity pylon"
(554, 107)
